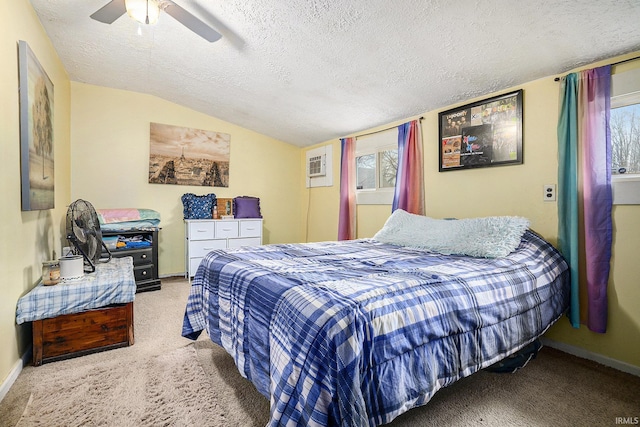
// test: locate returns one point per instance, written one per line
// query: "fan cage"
(84, 233)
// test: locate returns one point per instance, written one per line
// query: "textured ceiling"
(306, 71)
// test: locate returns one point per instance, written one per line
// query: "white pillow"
(489, 237)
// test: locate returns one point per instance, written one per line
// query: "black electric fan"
(83, 231)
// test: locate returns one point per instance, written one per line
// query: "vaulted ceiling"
(306, 71)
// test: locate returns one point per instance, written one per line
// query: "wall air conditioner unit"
(316, 166)
(319, 165)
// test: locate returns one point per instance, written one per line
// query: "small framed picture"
(225, 207)
(482, 134)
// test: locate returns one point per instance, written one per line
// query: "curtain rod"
(378, 131)
(615, 63)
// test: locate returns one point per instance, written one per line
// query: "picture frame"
(186, 156)
(36, 132)
(485, 133)
(225, 207)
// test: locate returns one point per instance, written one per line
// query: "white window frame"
(375, 144)
(625, 90)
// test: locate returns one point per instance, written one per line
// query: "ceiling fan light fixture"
(143, 11)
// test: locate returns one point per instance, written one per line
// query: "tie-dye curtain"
(409, 191)
(347, 219)
(584, 168)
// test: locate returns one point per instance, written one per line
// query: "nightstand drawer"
(143, 256)
(143, 272)
(140, 256)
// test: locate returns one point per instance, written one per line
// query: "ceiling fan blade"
(110, 12)
(191, 22)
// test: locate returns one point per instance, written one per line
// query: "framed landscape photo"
(482, 134)
(36, 132)
(187, 156)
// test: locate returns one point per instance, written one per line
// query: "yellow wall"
(510, 190)
(28, 238)
(622, 340)
(110, 166)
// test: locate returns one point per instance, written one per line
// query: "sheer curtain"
(347, 218)
(584, 189)
(409, 190)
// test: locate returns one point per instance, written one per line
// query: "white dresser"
(205, 235)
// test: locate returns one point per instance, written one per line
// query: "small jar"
(50, 272)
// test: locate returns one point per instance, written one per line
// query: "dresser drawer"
(143, 272)
(244, 241)
(201, 230)
(140, 256)
(199, 248)
(205, 235)
(194, 263)
(226, 229)
(251, 229)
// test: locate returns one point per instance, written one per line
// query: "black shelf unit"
(145, 260)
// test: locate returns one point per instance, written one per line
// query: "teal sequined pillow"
(198, 207)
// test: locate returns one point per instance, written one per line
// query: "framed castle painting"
(186, 156)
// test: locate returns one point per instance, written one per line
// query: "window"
(388, 168)
(376, 166)
(366, 172)
(625, 137)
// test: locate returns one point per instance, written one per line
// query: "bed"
(355, 333)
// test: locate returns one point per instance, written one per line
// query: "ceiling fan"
(147, 12)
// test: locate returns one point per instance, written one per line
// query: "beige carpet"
(166, 380)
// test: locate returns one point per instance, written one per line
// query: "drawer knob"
(144, 273)
(144, 256)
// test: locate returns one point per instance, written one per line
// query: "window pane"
(625, 139)
(388, 168)
(366, 172)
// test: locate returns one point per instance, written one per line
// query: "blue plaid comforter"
(355, 333)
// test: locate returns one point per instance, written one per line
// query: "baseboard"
(13, 375)
(173, 276)
(595, 357)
